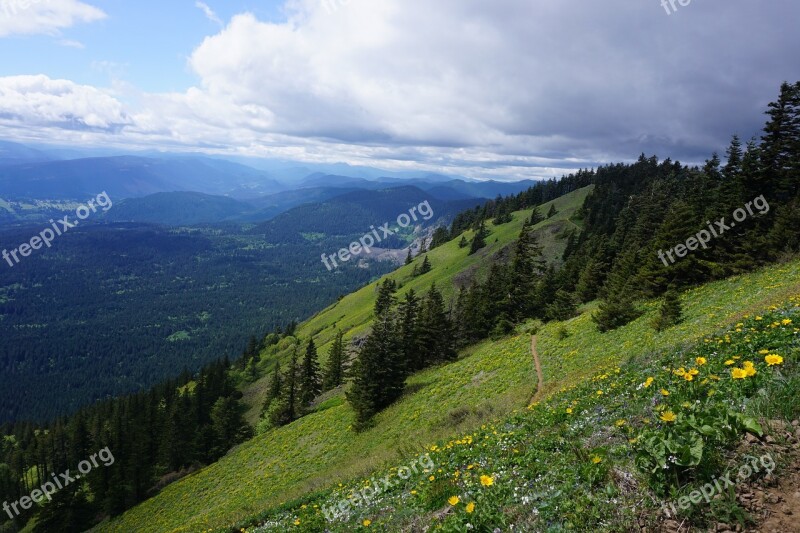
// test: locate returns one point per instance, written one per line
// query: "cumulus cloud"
(31, 101)
(26, 17)
(509, 88)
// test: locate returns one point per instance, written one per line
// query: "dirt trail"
(539, 376)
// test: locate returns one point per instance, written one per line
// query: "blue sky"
(507, 89)
(144, 42)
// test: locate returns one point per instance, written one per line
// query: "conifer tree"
(409, 257)
(274, 388)
(536, 217)
(334, 370)
(310, 386)
(463, 242)
(378, 372)
(563, 306)
(670, 312)
(479, 240)
(425, 267)
(552, 212)
(385, 299)
(526, 267)
(436, 337)
(412, 352)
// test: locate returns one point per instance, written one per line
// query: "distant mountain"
(354, 213)
(178, 209)
(131, 177)
(16, 154)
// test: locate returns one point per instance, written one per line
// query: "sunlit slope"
(490, 381)
(451, 265)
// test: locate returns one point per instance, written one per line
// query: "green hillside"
(451, 265)
(491, 381)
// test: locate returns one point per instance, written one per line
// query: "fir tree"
(436, 337)
(563, 306)
(670, 313)
(409, 332)
(409, 257)
(378, 372)
(385, 299)
(463, 242)
(274, 388)
(526, 267)
(552, 212)
(425, 267)
(334, 371)
(479, 240)
(310, 386)
(536, 217)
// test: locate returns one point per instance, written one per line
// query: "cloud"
(507, 89)
(68, 43)
(27, 17)
(38, 101)
(209, 13)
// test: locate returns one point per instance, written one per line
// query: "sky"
(502, 89)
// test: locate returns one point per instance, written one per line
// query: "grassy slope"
(575, 368)
(488, 382)
(353, 313)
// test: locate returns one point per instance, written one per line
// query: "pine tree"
(385, 299)
(463, 242)
(310, 386)
(285, 410)
(479, 240)
(536, 217)
(552, 212)
(378, 372)
(526, 267)
(409, 332)
(409, 257)
(274, 389)
(780, 151)
(670, 312)
(425, 267)
(334, 371)
(436, 336)
(563, 306)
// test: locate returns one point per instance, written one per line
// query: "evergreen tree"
(385, 299)
(552, 212)
(310, 386)
(463, 242)
(412, 351)
(409, 257)
(425, 267)
(334, 371)
(274, 389)
(436, 336)
(479, 240)
(536, 217)
(563, 306)
(671, 311)
(378, 372)
(526, 267)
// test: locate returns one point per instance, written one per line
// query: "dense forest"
(635, 211)
(140, 303)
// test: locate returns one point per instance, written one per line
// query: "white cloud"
(209, 13)
(38, 101)
(507, 88)
(26, 17)
(68, 43)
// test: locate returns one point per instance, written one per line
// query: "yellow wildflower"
(470, 507)
(773, 359)
(487, 481)
(668, 417)
(596, 460)
(738, 373)
(701, 361)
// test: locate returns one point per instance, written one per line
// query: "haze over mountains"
(154, 188)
